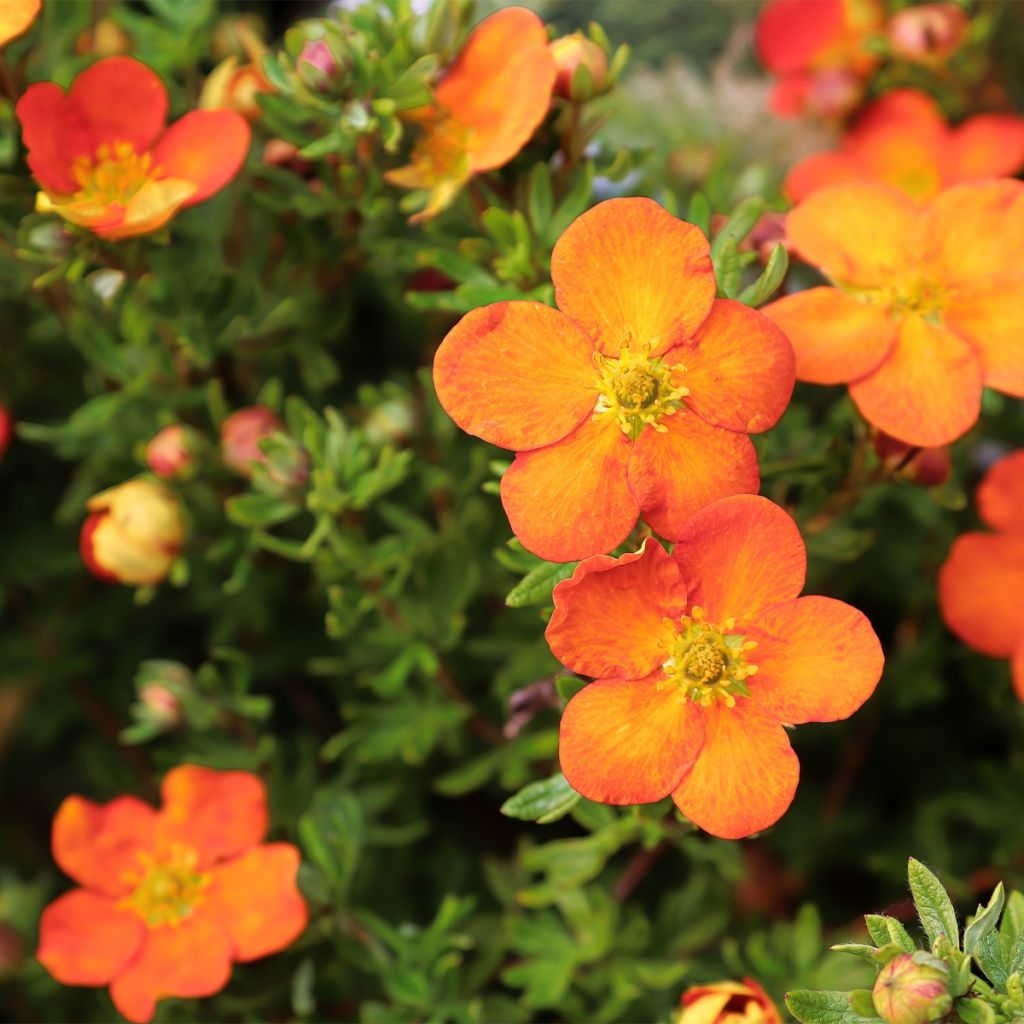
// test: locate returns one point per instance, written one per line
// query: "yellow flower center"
(707, 662)
(113, 175)
(442, 152)
(638, 390)
(168, 888)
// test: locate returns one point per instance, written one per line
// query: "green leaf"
(541, 201)
(975, 1011)
(860, 949)
(1015, 962)
(737, 227)
(884, 930)
(259, 510)
(824, 1008)
(699, 212)
(536, 586)
(934, 906)
(988, 955)
(770, 279)
(542, 802)
(985, 920)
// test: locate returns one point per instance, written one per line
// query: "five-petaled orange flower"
(634, 397)
(981, 584)
(816, 47)
(16, 16)
(699, 658)
(904, 139)
(106, 160)
(924, 308)
(169, 898)
(728, 1002)
(487, 106)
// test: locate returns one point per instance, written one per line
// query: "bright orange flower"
(981, 583)
(487, 106)
(903, 139)
(169, 898)
(728, 1002)
(16, 16)
(816, 47)
(924, 310)
(106, 161)
(133, 533)
(635, 396)
(700, 657)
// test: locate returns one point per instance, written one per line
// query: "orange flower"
(635, 396)
(981, 583)
(106, 161)
(728, 1002)
(816, 47)
(924, 310)
(488, 105)
(16, 16)
(169, 898)
(903, 139)
(133, 534)
(700, 657)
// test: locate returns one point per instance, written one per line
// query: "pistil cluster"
(168, 887)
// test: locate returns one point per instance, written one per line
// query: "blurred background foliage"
(349, 638)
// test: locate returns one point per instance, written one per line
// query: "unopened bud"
(926, 467)
(161, 685)
(241, 434)
(912, 989)
(317, 55)
(928, 33)
(286, 466)
(6, 429)
(105, 39)
(171, 451)
(572, 52)
(728, 1002)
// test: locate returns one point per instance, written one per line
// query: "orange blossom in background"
(634, 397)
(728, 1002)
(16, 16)
(105, 158)
(904, 139)
(169, 899)
(486, 107)
(923, 309)
(981, 583)
(817, 50)
(699, 658)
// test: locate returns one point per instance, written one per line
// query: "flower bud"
(12, 952)
(133, 534)
(911, 992)
(926, 467)
(728, 1002)
(6, 430)
(834, 93)
(171, 451)
(569, 53)
(240, 436)
(286, 464)
(161, 685)
(317, 54)
(928, 33)
(105, 39)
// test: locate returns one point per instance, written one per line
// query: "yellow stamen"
(167, 888)
(113, 175)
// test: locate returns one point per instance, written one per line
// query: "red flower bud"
(926, 467)
(134, 533)
(240, 436)
(569, 52)
(317, 54)
(910, 992)
(928, 33)
(6, 430)
(171, 451)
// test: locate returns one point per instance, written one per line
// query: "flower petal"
(739, 369)
(817, 660)
(86, 938)
(928, 392)
(628, 741)
(16, 16)
(981, 591)
(991, 318)
(571, 499)
(790, 34)
(1017, 671)
(500, 85)
(189, 959)
(986, 146)
(856, 233)
(218, 814)
(817, 171)
(609, 617)
(255, 900)
(1000, 495)
(98, 845)
(150, 208)
(206, 148)
(121, 100)
(675, 473)
(836, 338)
(53, 135)
(746, 775)
(517, 374)
(627, 270)
(740, 555)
